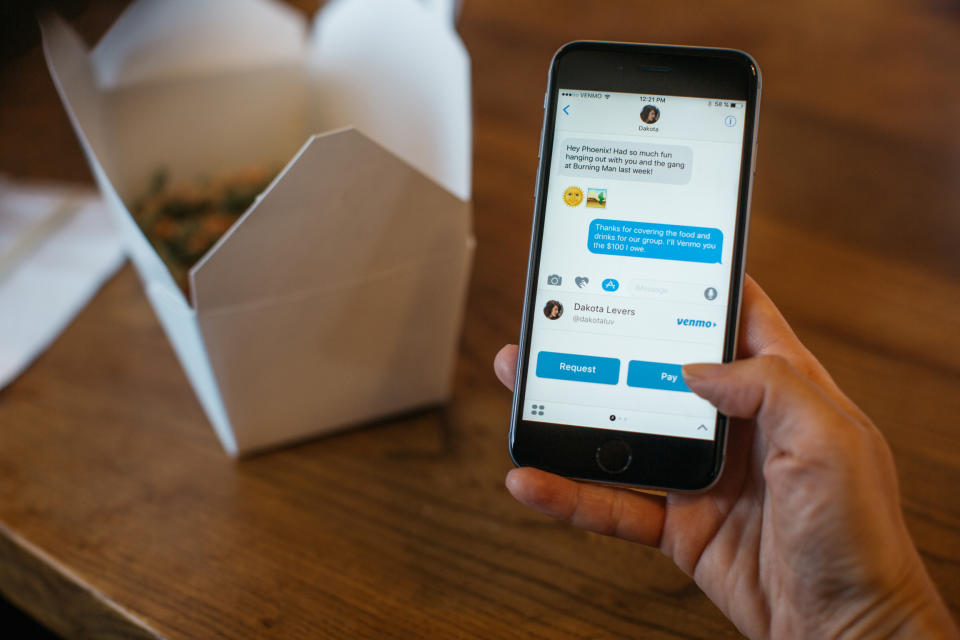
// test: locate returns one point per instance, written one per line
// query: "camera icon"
(554, 280)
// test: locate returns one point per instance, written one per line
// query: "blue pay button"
(569, 366)
(655, 375)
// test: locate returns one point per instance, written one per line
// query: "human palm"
(803, 533)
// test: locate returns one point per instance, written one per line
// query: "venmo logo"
(692, 322)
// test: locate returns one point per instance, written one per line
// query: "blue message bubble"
(652, 240)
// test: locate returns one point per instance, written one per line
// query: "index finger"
(505, 365)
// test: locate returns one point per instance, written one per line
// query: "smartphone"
(636, 261)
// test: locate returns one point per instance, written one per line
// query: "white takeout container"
(337, 298)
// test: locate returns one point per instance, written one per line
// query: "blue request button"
(655, 375)
(569, 366)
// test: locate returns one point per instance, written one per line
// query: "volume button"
(540, 146)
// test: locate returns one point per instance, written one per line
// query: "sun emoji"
(573, 196)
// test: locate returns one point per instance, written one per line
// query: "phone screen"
(634, 277)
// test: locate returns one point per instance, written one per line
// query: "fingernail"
(701, 371)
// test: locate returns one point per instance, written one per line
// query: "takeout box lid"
(160, 39)
(395, 69)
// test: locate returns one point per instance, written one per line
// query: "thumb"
(790, 410)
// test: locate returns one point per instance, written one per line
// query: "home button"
(614, 456)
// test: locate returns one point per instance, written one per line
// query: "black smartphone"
(636, 261)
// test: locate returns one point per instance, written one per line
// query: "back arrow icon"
(565, 109)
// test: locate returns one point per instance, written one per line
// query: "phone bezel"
(662, 462)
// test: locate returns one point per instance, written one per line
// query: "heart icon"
(582, 281)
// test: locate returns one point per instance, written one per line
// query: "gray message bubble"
(642, 162)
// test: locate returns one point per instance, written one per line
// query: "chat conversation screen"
(667, 163)
(651, 240)
(633, 280)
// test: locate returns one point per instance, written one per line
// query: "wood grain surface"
(121, 517)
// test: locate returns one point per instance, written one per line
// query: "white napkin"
(57, 247)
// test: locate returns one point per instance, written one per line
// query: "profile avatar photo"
(553, 310)
(650, 114)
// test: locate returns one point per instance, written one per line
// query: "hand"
(803, 534)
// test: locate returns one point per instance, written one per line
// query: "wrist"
(929, 622)
(911, 609)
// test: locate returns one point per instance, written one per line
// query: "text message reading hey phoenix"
(667, 163)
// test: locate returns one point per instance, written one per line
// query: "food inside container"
(183, 219)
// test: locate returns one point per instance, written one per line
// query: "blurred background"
(856, 228)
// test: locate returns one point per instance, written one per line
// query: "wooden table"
(121, 516)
